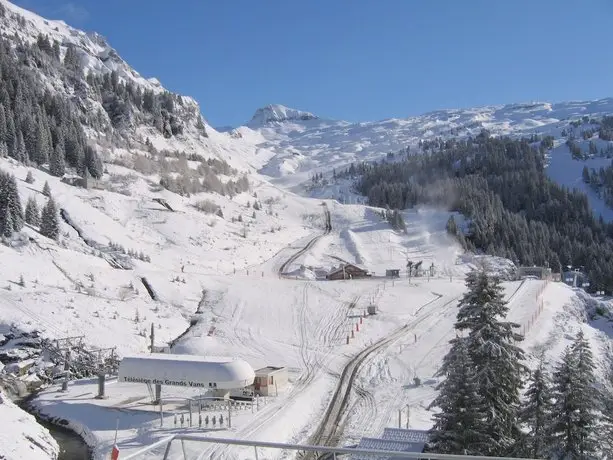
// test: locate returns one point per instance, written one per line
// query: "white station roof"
(186, 371)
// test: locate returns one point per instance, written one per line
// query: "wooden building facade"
(346, 272)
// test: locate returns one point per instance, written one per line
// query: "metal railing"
(328, 452)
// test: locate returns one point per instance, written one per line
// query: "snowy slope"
(97, 55)
(221, 274)
(248, 310)
(21, 437)
(98, 58)
(305, 325)
(69, 286)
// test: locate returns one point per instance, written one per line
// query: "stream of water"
(72, 446)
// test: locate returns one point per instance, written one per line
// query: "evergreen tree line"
(481, 409)
(125, 102)
(592, 150)
(395, 219)
(605, 132)
(601, 181)
(604, 129)
(514, 209)
(12, 216)
(37, 127)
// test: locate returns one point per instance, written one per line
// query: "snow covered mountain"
(276, 113)
(302, 147)
(124, 114)
(200, 232)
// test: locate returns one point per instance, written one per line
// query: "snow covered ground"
(247, 310)
(222, 273)
(301, 323)
(567, 171)
(21, 437)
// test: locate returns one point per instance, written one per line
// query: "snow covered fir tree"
(481, 410)
(487, 343)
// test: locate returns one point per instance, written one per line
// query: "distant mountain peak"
(277, 113)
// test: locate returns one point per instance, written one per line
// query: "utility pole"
(158, 387)
(408, 415)
(66, 371)
(229, 413)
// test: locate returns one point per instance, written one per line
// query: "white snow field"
(299, 321)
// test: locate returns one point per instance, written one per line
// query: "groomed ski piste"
(264, 310)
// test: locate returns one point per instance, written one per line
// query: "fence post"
(229, 413)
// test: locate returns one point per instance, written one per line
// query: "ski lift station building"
(189, 371)
(269, 380)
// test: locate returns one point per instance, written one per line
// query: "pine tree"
(49, 222)
(32, 214)
(19, 150)
(11, 135)
(93, 163)
(576, 402)
(536, 413)
(456, 427)
(11, 213)
(29, 178)
(497, 360)
(56, 162)
(46, 189)
(451, 226)
(6, 224)
(607, 409)
(2, 123)
(590, 403)
(43, 144)
(585, 174)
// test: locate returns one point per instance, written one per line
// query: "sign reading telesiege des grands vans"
(174, 383)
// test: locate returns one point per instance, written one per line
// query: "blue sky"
(356, 60)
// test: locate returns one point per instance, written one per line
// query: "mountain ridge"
(279, 113)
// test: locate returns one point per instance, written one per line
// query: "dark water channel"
(72, 446)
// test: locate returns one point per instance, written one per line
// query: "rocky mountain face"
(303, 144)
(112, 98)
(275, 113)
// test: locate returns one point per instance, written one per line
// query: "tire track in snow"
(370, 421)
(310, 355)
(330, 429)
(309, 245)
